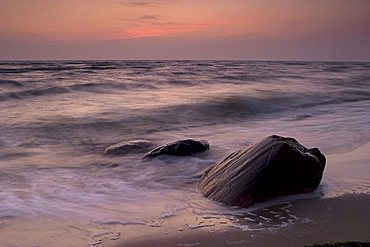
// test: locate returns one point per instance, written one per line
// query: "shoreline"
(335, 217)
(338, 219)
(341, 216)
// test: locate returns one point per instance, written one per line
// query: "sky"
(185, 29)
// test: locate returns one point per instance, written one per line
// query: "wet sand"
(344, 218)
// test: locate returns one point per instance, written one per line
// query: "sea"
(57, 118)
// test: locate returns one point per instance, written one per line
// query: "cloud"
(145, 19)
(137, 3)
(151, 17)
(145, 3)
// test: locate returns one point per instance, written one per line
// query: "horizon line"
(244, 60)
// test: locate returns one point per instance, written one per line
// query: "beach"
(286, 221)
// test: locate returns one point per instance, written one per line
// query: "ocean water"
(57, 117)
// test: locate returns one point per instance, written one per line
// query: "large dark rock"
(273, 167)
(180, 148)
(126, 147)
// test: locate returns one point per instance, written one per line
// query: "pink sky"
(185, 29)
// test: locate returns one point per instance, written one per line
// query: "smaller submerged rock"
(126, 147)
(180, 148)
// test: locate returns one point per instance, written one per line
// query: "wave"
(88, 66)
(91, 68)
(277, 87)
(32, 93)
(11, 83)
(244, 106)
(32, 69)
(91, 87)
(221, 110)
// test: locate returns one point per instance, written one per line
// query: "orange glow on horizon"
(231, 24)
(102, 20)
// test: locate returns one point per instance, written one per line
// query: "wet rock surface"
(180, 148)
(127, 147)
(273, 167)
